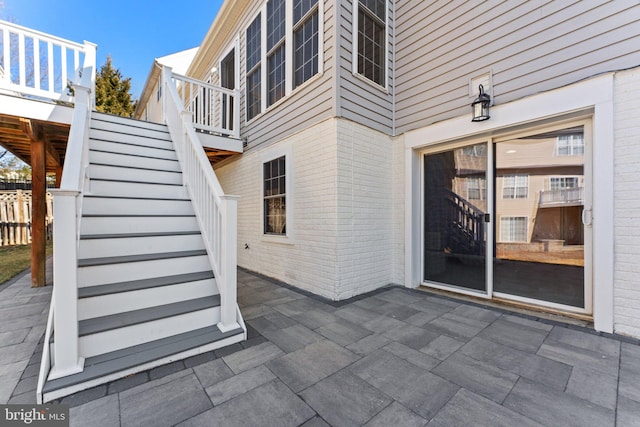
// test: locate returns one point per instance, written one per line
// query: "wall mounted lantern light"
(480, 106)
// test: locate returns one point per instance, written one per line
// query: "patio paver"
(393, 357)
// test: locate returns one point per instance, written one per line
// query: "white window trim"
(236, 60)
(565, 177)
(354, 53)
(515, 186)
(288, 57)
(571, 146)
(271, 153)
(526, 230)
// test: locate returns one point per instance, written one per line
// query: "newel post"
(229, 264)
(65, 290)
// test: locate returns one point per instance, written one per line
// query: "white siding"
(627, 200)
(358, 99)
(530, 46)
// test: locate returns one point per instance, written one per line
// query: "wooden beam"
(38, 206)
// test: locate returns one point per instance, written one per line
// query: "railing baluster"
(50, 71)
(63, 76)
(21, 60)
(76, 65)
(36, 63)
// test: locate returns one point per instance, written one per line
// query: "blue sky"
(133, 32)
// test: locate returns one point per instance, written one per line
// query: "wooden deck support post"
(38, 202)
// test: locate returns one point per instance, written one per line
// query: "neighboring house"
(356, 120)
(151, 94)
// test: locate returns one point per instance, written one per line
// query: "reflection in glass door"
(454, 217)
(539, 231)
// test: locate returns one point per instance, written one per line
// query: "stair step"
(131, 127)
(123, 245)
(106, 367)
(89, 262)
(134, 235)
(131, 148)
(158, 176)
(120, 188)
(134, 285)
(110, 118)
(130, 318)
(115, 159)
(101, 224)
(148, 139)
(109, 205)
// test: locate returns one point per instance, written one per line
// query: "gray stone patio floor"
(394, 357)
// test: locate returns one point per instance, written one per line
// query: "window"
(371, 40)
(513, 229)
(478, 150)
(275, 197)
(305, 39)
(515, 186)
(563, 183)
(253, 48)
(291, 32)
(476, 188)
(275, 50)
(570, 145)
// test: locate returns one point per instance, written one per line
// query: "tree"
(112, 91)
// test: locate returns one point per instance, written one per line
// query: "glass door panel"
(455, 204)
(539, 200)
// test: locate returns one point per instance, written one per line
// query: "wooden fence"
(15, 217)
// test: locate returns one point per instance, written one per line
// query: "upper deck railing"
(40, 65)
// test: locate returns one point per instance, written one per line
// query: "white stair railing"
(213, 108)
(38, 64)
(216, 212)
(67, 211)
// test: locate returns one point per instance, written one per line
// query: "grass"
(15, 259)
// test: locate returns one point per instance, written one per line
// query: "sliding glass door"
(455, 204)
(510, 217)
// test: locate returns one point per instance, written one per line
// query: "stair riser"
(112, 206)
(101, 119)
(135, 189)
(106, 305)
(130, 139)
(115, 225)
(128, 174)
(130, 131)
(137, 150)
(116, 339)
(100, 248)
(133, 161)
(115, 273)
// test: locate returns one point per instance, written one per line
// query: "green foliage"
(112, 91)
(12, 167)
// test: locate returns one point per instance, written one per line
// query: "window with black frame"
(372, 29)
(275, 197)
(253, 87)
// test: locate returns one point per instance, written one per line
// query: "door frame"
(588, 99)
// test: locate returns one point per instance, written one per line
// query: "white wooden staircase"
(147, 294)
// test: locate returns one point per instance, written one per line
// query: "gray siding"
(530, 46)
(358, 100)
(306, 106)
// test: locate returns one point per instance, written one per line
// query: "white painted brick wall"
(311, 262)
(398, 182)
(347, 207)
(627, 203)
(365, 209)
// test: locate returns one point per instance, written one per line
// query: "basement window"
(275, 196)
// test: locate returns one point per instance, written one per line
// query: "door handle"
(587, 219)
